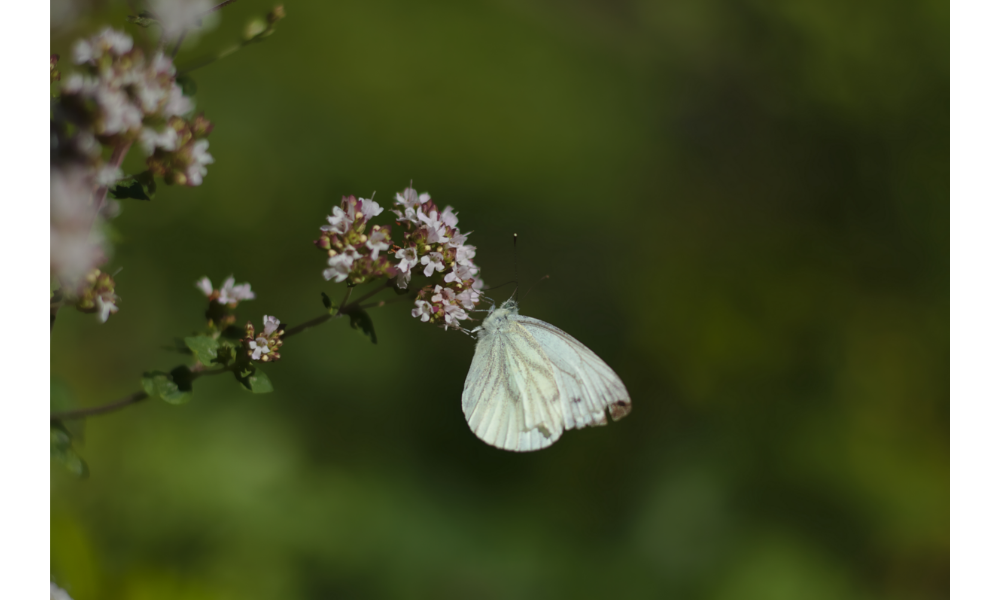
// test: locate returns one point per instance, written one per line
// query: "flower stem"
(117, 157)
(199, 370)
(218, 7)
(307, 325)
(129, 400)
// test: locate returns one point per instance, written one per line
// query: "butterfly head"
(498, 317)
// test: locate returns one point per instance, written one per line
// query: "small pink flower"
(423, 311)
(434, 262)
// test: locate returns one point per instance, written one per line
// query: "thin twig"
(371, 293)
(200, 370)
(129, 400)
(99, 410)
(347, 296)
(117, 157)
(307, 325)
(177, 47)
(384, 302)
(217, 7)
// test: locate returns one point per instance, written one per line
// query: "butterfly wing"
(587, 385)
(511, 397)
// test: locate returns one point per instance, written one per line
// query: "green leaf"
(187, 84)
(259, 383)
(327, 303)
(254, 380)
(178, 346)
(182, 378)
(360, 319)
(226, 353)
(162, 385)
(138, 187)
(205, 348)
(143, 19)
(61, 450)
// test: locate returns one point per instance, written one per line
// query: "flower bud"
(276, 15)
(254, 28)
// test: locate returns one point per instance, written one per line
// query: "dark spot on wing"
(619, 409)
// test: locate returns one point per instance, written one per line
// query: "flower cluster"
(179, 153)
(264, 346)
(355, 254)
(76, 247)
(230, 294)
(126, 97)
(97, 295)
(432, 246)
(178, 16)
(221, 301)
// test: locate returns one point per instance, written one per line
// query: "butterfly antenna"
(534, 284)
(516, 284)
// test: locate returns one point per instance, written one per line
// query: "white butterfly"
(529, 381)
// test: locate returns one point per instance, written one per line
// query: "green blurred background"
(743, 208)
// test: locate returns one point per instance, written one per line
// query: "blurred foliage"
(743, 207)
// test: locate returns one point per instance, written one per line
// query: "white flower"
(407, 258)
(81, 84)
(469, 298)
(205, 285)
(200, 157)
(231, 293)
(340, 267)
(423, 311)
(453, 314)
(403, 279)
(457, 239)
(443, 295)
(465, 254)
(104, 308)
(369, 209)
(376, 243)
(259, 347)
(461, 273)
(270, 325)
(73, 254)
(449, 217)
(175, 16)
(410, 199)
(57, 593)
(108, 40)
(434, 262)
(75, 246)
(118, 113)
(177, 103)
(107, 175)
(151, 139)
(340, 221)
(435, 228)
(162, 64)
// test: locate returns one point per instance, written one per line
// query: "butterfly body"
(530, 381)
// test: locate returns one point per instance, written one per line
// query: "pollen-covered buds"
(97, 295)
(354, 253)
(432, 246)
(264, 346)
(125, 97)
(221, 301)
(433, 241)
